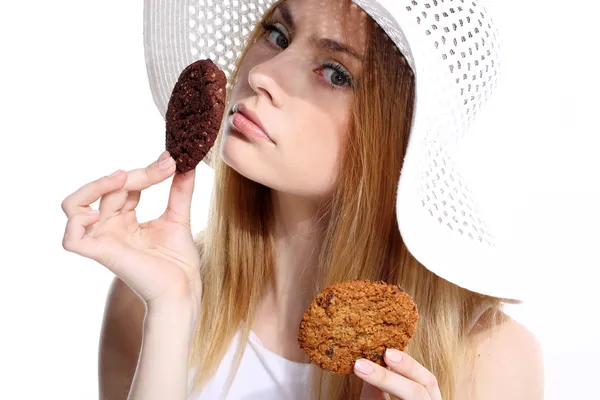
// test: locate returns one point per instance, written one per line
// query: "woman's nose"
(278, 77)
(263, 82)
(262, 85)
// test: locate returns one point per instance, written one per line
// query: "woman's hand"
(157, 259)
(406, 378)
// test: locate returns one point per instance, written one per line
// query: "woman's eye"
(336, 76)
(275, 36)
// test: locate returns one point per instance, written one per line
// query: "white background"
(75, 105)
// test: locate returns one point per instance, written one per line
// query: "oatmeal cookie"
(356, 319)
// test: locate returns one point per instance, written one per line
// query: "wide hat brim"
(453, 48)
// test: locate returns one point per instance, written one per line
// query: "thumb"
(370, 392)
(180, 197)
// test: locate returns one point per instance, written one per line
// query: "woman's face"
(298, 82)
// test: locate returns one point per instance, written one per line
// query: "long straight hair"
(361, 239)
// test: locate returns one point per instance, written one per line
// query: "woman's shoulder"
(508, 359)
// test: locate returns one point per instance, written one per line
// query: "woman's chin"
(235, 150)
(244, 159)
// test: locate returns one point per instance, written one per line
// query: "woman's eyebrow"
(334, 47)
(286, 14)
(327, 44)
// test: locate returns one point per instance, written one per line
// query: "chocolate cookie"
(357, 319)
(195, 113)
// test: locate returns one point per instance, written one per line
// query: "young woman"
(321, 106)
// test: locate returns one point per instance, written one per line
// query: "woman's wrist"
(180, 318)
(175, 310)
(162, 368)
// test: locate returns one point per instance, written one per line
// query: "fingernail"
(165, 164)
(363, 366)
(115, 173)
(393, 355)
(163, 156)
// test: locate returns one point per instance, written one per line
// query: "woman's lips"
(248, 123)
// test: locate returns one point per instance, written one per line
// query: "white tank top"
(262, 375)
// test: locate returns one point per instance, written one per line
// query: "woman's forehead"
(345, 12)
(339, 20)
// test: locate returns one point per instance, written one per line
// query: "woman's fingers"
(180, 198)
(106, 250)
(137, 180)
(407, 366)
(76, 239)
(80, 200)
(406, 378)
(389, 381)
(142, 178)
(133, 199)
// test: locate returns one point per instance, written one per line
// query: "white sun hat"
(453, 49)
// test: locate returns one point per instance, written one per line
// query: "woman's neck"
(296, 240)
(280, 309)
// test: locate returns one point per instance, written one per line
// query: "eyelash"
(269, 26)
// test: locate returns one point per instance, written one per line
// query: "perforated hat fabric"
(453, 48)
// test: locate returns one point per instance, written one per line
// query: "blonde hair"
(361, 239)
